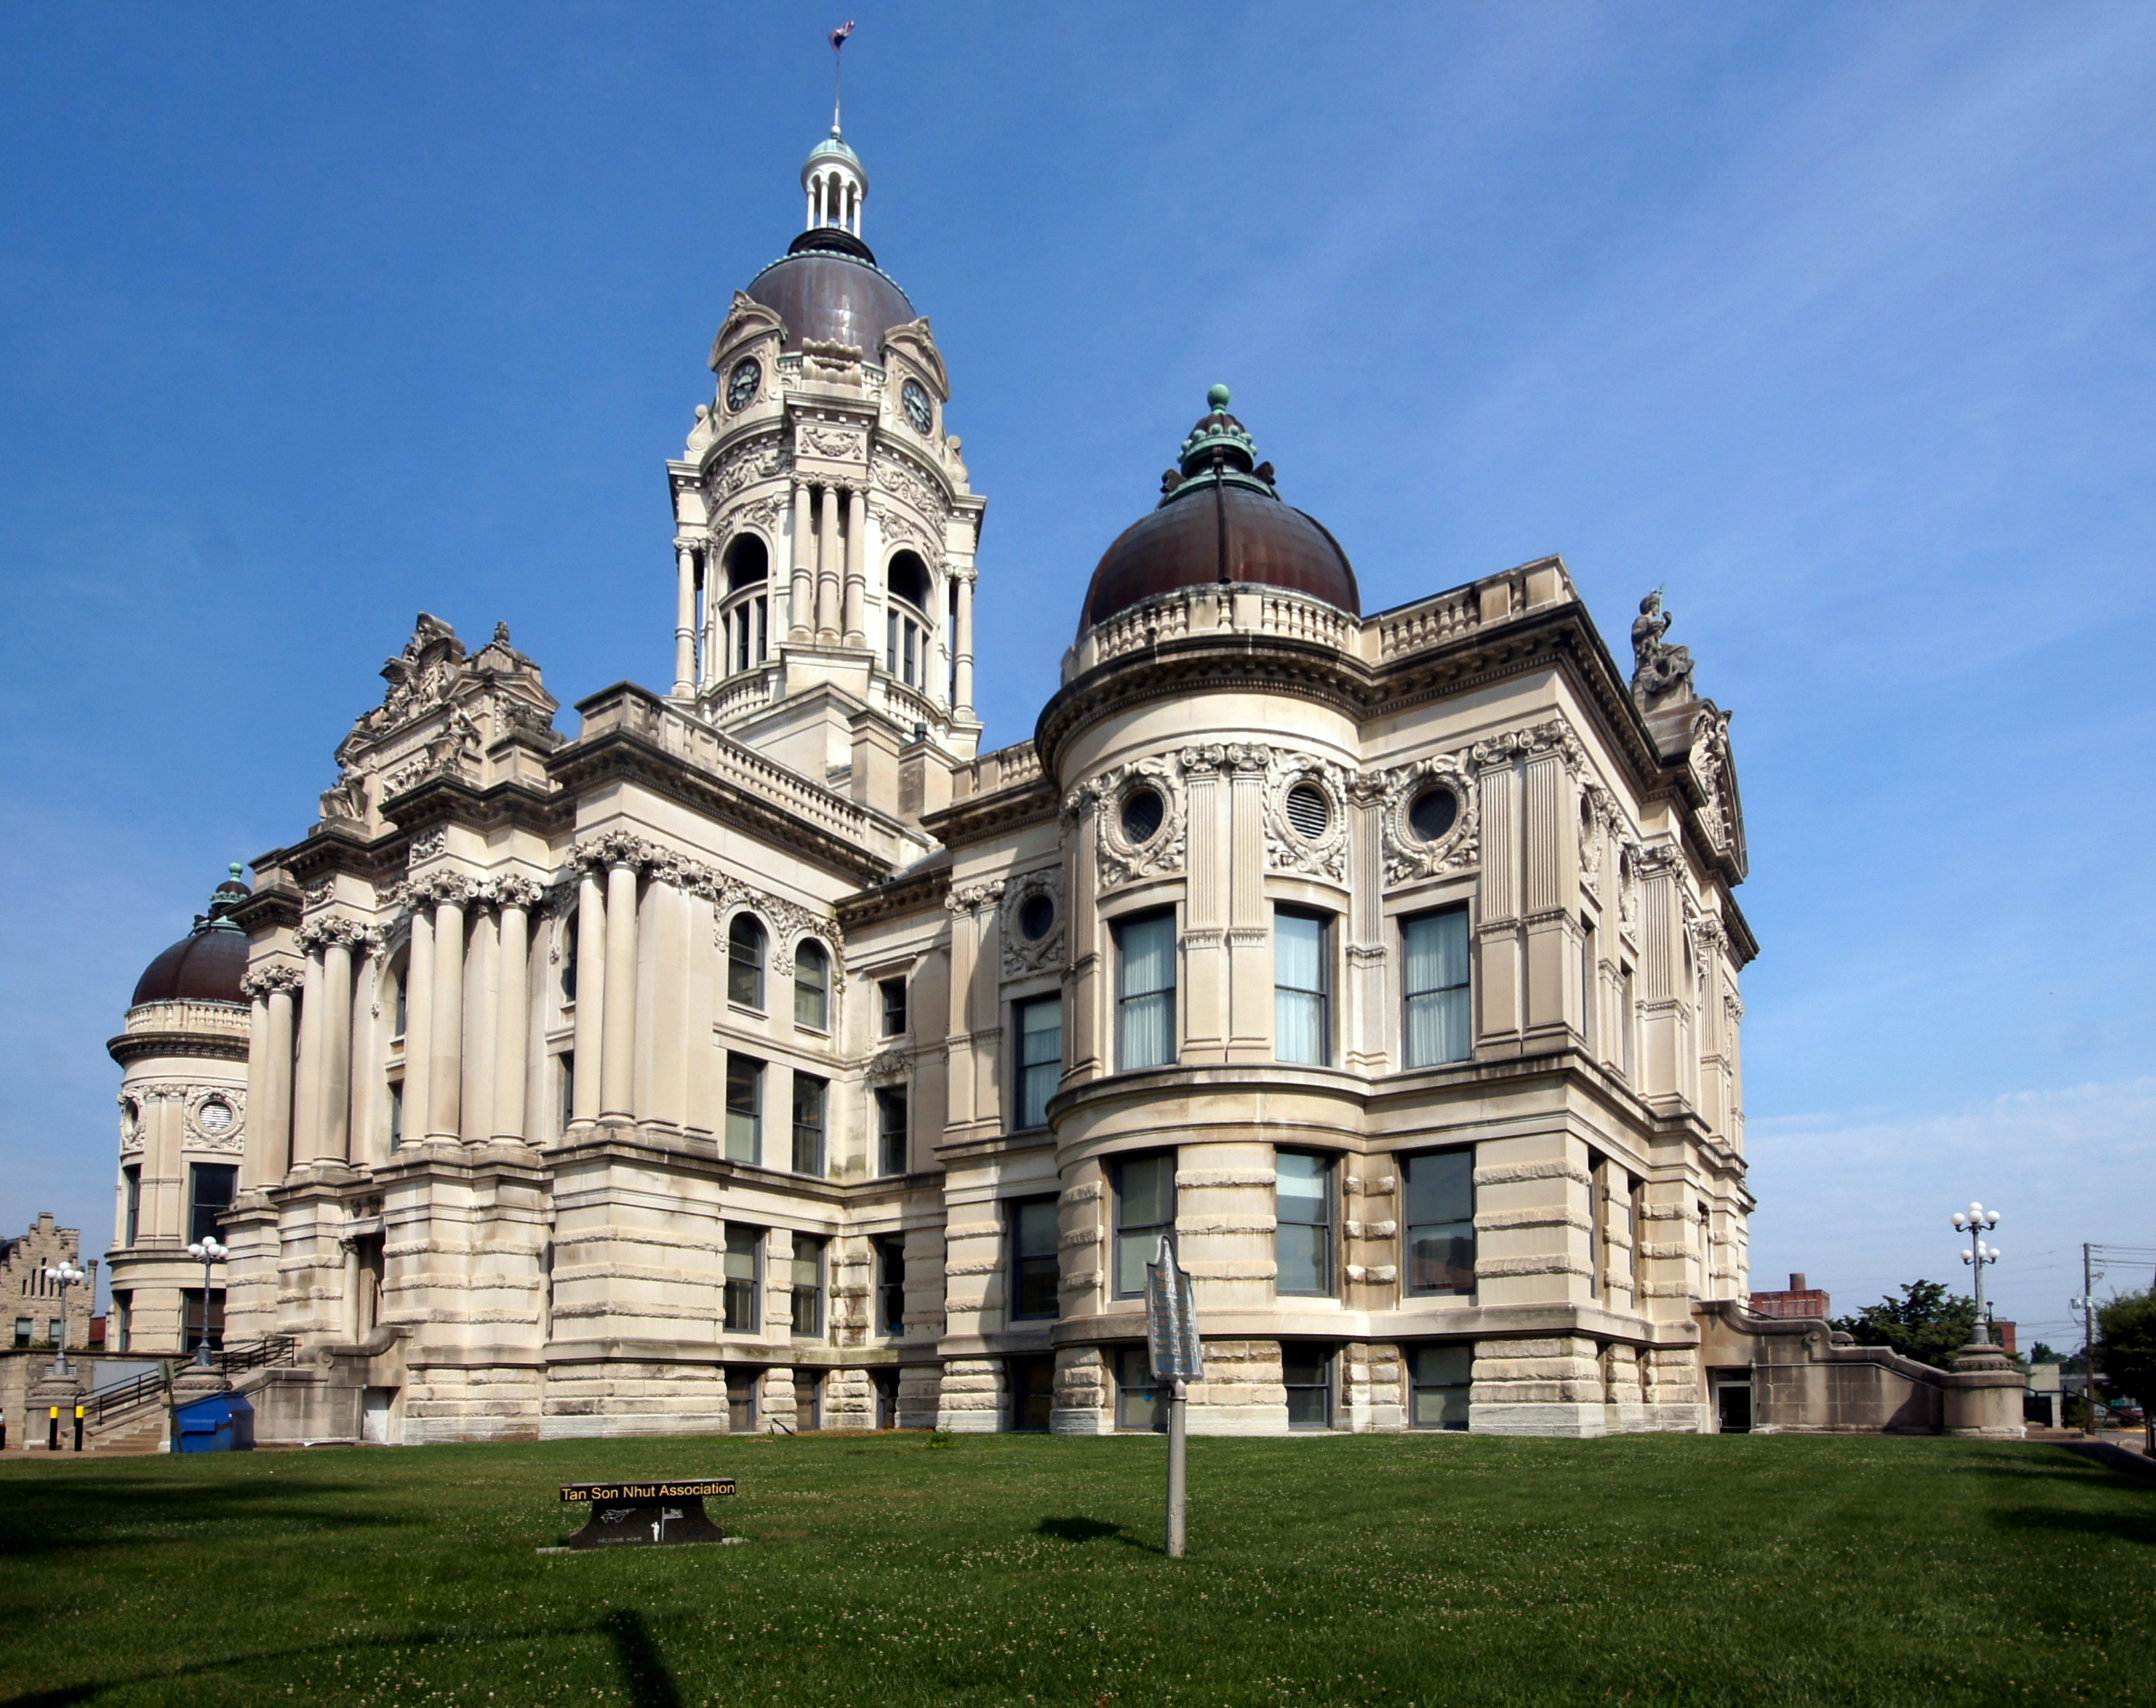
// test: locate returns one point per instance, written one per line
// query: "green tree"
(1926, 1323)
(2044, 1353)
(2126, 1347)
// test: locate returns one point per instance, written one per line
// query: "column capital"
(266, 980)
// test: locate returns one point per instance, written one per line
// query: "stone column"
(512, 1013)
(591, 995)
(961, 649)
(419, 1021)
(270, 1107)
(1498, 958)
(446, 1052)
(333, 1133)
(827, 566)
(684, 620)
(618, 1038)
(307, 1092)
(801, 601)
(1249, 928)
(857, 558)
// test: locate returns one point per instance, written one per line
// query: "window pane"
(1299, 1253)
(890, 1128)
(1141, 1403)
(812, 984)
(212, 1186)
(1441, 1186)
(1146, 987)
(809, 1095)
(1147, 1189)
(1040, 1059)
(745, 962)
(740, 1270)
(1147, 1032)
(1298, 951)
(1299, 1027)
(744, 1109)
(1148, 951)
(1301, 1187)
(1435, 984)
(1439, 1211)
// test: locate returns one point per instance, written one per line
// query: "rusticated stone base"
(973, 1402)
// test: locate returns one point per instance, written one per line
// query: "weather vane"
(838, 65)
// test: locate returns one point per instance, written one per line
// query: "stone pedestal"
(64, 1389)
(1983, 1395)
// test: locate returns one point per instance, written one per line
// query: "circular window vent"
(1143, 810)
(1434, 812)
(1035, 917)
(1308, 811)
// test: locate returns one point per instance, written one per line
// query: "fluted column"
(333, 1133)
(418, 1022)
(857, 559)
(270, 1080)
(826, 564)
(961, 650)
(446, 1056)
(591, 996)
(801, 601)
(307, 1093)
(684, 620)
(617, 1045)
(512, 1015)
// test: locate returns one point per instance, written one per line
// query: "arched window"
(745, 617)
(745, 962)
(812, 986)
(905, 646)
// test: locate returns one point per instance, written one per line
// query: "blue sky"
(1836, 320)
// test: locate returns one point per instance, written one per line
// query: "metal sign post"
(1178, 1357)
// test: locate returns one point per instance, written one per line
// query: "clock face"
(214, 1117)
(742, 382)
(918, 410)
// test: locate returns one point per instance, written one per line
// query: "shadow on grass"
(2117, 1527)
(1093, 1530)
(75, 1512)
(650, 1685)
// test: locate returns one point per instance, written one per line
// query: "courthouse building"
(755, 1052)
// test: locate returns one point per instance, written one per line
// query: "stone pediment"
(747, 319)
(917, 344)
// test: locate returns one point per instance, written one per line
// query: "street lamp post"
(205, 1251)
(1975, 1221)
(67, 1274)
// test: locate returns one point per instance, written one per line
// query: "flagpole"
(1178, 1469)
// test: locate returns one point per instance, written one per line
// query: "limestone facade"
(762, 1054)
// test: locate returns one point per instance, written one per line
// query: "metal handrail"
(252, 1355)
(122, 1396)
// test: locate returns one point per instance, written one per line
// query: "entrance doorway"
(1732, 1400)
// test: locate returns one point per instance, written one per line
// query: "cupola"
(207, 965)
(828, 289)
(1220, 519)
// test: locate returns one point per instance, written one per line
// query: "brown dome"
(207, 965)
(829, 288)
(1220, 520)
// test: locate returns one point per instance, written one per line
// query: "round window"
(1308, 811)
(214, 1116)
(1035, 917)
(1143, 810)
(1434, 812)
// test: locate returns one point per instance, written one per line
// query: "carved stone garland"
(788, 921)
(1121, 861)
(1409, 859)
(1019, 957)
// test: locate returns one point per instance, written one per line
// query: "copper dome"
(829, 289)
(207, 965)
(1221, 520)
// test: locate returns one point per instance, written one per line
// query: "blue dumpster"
(216, 1422)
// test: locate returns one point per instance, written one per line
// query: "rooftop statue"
(1660, 672)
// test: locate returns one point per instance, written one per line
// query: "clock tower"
(824, 529)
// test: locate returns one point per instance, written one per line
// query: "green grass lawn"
(1387, 1570)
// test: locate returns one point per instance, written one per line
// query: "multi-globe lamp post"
(205, 1251)
(1976, 1221)
(65, 1273)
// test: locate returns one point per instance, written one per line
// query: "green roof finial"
(235, 869)
(1217, 396)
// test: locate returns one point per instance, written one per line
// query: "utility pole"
(2088, 1340)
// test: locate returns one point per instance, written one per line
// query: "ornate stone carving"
(1120, 860)
(788, 922)
(974, 898)
(1408, 858)
(512, 889)
(1710, 764)
(1286, 848)
(217, 1119)
(333, 928)
(759, 460)
(425, 846)
(438, 886)
(889, 1064)
(1021, 957)
(841, 444)
(260, 981)
(1553, 736)
(1660, 672)
(906, 484)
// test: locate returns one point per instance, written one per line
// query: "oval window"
(1434, 812)
(1308, 811)
(1144, 811)
(1035, 917)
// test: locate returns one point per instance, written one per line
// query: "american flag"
(838, 35)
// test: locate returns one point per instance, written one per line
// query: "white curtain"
(1147, 990)
(1299, 985)
(1435, 981)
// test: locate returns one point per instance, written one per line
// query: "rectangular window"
(1589, 989)
(741, 1401)
(744, 1108)
(891, 1284)
(1436, 1025)
(190, 1318)
(396, 1114)
(1145, 1210)
(1307, 1374)
(891, 1147)
(24, 1332)
(885, 1382)
(807, 1402)
(568, 1060)
(1441, 1379)
(1625, 1026)
(1145, 991)
(1302, 1236)
(1033, 1393)
(1440, 1218)
(744, 1262)
(401, 1014)
(123, 1320)
(210, 1188)
(1302, 986)
(1039, 1059)
(1034, 1234)
(1635, 1225)
(53, 1330)
(1140, 1400)
(893, 992)
(807, 1278)
(809, 1097)
(132, 1176)
(1598, 1181)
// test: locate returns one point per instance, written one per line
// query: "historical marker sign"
(1171, 1343)
(646, 1514)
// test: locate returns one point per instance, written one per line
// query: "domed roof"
(829, 288)
(207, 965)
(1221, 520)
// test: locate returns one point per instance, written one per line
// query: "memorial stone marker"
(646, 1514)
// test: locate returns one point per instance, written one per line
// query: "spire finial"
(1217, 396)
(838, 65)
